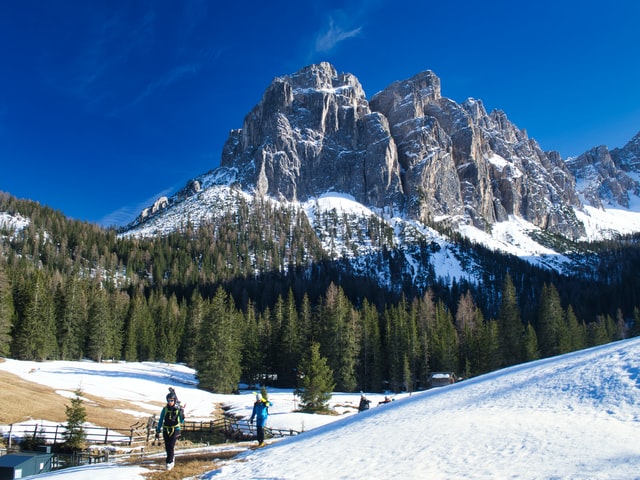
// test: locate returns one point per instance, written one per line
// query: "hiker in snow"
(171, 419)
(260, 413)
(364, 403)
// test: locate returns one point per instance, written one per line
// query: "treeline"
(244, 298)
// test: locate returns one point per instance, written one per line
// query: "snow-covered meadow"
(575, 416)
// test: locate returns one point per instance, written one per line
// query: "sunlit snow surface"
(571, 417)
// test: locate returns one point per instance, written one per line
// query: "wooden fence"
(141, 433)
(137, 434)
(234, 429)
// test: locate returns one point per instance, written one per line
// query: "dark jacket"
(171, 418)
(364, 404)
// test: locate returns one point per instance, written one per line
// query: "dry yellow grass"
(186, 466)
(29, 400)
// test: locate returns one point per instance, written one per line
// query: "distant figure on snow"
(364, 403)
(260, 413)
(386, 400)
(170, 423)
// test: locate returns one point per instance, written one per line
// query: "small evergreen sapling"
(76, 416)
(317, 384)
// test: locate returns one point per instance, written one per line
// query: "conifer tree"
(412, 349)
(530, 344)
(265, 336)
(510, 326)
(305, 316)
(72, 318)
(486, 348)
(98, 340)
(219, 347)
(118, 306)
(425, 319)
(597, 332)
(621, 330)
(195, 313)
(291, 342)
(139, 339)
(553, 337)
(169, 327)
(35, 337)
(340, 337)
(252, 354)
(444, 340)
(76, 414)
(576, 331)
(402, 345)
(6, 313)
(634, 331)
(393, 348)
(316, 383)
(370, 359)
(407, 375)
(466, 327)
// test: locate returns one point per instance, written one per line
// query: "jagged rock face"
(459, 160)
(314, 132)
(160, 204)
(603, 180)
(628, 157)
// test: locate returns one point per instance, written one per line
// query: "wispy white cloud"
(343, 24)
(334, 34)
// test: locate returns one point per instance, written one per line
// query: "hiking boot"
(170, 466)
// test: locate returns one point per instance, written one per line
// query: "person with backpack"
(260, 413)
(170, 423)
(364, 403)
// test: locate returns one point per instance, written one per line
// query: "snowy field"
(571, 417)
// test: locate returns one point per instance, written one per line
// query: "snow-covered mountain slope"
(410, 162)
(573, 416)
(344, 228)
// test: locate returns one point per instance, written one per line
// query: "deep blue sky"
(106, 105)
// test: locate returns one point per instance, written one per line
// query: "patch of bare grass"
(188, 466)
(32, 401)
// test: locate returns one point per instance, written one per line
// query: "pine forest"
(248, 297)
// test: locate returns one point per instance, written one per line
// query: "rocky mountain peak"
(628, 157)
(408, 148)
(411, 151)
(313, 132)
(604, 180)
(463, 163)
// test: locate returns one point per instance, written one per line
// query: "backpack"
(172, 416)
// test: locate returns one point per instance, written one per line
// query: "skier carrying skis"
(171, 419)
(260, 413)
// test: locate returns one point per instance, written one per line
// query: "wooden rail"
(141, 433)
(235, 429)
(136, 434)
